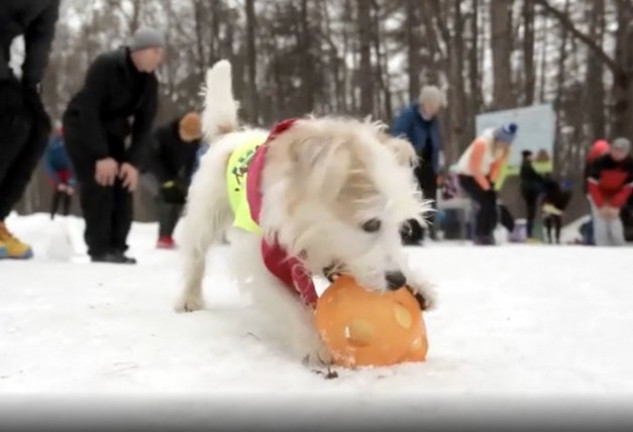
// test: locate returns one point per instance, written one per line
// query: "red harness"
(288, 269)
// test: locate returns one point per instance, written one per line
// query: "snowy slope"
(528, 320)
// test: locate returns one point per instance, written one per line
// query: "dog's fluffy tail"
(220, 107)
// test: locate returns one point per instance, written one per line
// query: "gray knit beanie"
(621, 144)
(146, 37)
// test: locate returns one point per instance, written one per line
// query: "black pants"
(168, 217)
(505, 218)
(24, 130)
(168, 214)
(531, 200)
(63, 198)
(427, 180)
(108, 212)
(553, 222)
(486, 218)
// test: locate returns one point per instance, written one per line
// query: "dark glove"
(173, 192)
(491, 194)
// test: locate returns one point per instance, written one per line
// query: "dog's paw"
(189, 304)
(310, 348)
(424, 294)
(318, 357)
(425, 301)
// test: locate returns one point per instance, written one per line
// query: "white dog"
(318, 196)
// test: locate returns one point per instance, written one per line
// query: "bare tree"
(251, 62)
(595, 88)
(620, 64)
(501, 46)
(414, 47)
(528, 51)
(365, 76)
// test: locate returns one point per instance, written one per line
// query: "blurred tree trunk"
(543, 66)
(623, 88)
(414, 47)
(474, 77)
(307, 64)
(200, 19)
(457, 101)
(595, 89)
(449, 20)
(528, 51)
(382, 71)
(501, 45)
(365, 75)
(251, 61)
(558, 102)
(338, 69)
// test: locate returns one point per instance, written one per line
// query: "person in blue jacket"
(60, 172)
(419, 124)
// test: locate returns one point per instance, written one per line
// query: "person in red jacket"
(610, 183)
(598, 148)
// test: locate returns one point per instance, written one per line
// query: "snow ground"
(514, 320)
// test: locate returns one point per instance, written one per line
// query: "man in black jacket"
(168, 168)
(107, 126)
(24, 123)
(531, 188)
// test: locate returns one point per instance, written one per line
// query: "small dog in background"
(316, 196)
(555, 201)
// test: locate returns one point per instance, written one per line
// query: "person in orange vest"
(478, 169)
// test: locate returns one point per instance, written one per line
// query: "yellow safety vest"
(236, 173)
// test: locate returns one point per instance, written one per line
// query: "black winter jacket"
(35, 19)
(169, 157)
(116, 101)
(531, 181)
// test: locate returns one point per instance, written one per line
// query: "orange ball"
(364, 328)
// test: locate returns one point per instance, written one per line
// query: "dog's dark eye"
(371, 226)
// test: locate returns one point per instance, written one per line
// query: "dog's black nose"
(395, 279)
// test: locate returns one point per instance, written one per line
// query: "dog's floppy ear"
(400, 146)
(320, 162)
(402, 149)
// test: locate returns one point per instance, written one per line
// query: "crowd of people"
(106, 146)
(607, 183)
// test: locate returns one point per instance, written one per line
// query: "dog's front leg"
(306, 341)
(293, 320)
(191, 297)
(422, 289)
